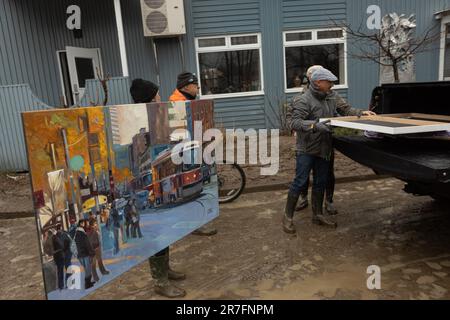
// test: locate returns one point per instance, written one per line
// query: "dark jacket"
(84, 247)
(58, 249)
(94, 239)
(307, 109)
(65, 241)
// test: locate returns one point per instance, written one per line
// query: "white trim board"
(416, 126)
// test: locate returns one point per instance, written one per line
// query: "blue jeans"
(86, 263)
(306, 163)
(116, 240)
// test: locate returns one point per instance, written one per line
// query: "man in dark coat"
(85, 252)
(65, 241)
(58, 258)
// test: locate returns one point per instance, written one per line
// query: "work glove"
(322, 127)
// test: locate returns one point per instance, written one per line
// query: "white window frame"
(226, 48)
(315, 42)
(445, 21)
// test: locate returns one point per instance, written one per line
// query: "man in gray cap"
(314, 143)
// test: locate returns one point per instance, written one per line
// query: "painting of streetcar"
(169, 184)
(176, 183)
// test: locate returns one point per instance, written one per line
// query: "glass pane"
(85, 70)
(299, 59)
(299, 36)
(244, 40)
(447, 54)
(230, 72)
(216, 42)
(329, 34)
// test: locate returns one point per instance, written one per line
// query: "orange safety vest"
(177, 96)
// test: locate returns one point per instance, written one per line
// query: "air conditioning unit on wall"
(163, 18)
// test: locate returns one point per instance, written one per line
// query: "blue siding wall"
(14, 100)
(212, 17)
(307, 14)
(118, 92)
(240, 113)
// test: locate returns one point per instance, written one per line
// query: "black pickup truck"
(421, 161)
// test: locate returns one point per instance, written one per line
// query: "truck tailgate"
(410, 160)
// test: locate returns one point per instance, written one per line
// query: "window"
(445, 50)
(230, 66)
(303, 49)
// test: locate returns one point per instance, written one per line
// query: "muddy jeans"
(306, 163)
(331, 181)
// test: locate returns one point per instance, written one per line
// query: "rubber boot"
(288, 217)
(317, 208)
(205, 231)
(302, 202)
(172, 274)
(160, 273)
(330, 208)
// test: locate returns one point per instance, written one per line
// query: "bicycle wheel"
(231, 180)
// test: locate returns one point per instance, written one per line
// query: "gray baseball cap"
(323, 74)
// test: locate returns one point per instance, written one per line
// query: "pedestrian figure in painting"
(85, 252)
(64, 240)
(134, 215)
(94, 239)
(114, 224)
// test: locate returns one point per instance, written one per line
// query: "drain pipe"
(121, 36)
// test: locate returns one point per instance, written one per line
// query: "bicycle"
(231, 180)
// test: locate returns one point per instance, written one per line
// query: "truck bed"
(411, 160)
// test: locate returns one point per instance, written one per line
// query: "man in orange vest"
(187, 89)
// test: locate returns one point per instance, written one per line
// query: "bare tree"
(394, 45)
(104, 84)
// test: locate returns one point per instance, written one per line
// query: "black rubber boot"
(160, 273)
(302, 202)
(317, 208)
(288, 217)
(330, 208)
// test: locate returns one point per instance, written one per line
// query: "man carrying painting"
(144, 91)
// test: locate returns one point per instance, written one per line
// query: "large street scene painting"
(106, 192)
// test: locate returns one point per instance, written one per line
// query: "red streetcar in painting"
(174, 184)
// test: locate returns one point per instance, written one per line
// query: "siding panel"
(306, 14)
(221, 17)
(14, 100)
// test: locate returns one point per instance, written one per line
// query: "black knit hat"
(143, 91)
(185, 79)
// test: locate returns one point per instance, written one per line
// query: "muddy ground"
(251, 258)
